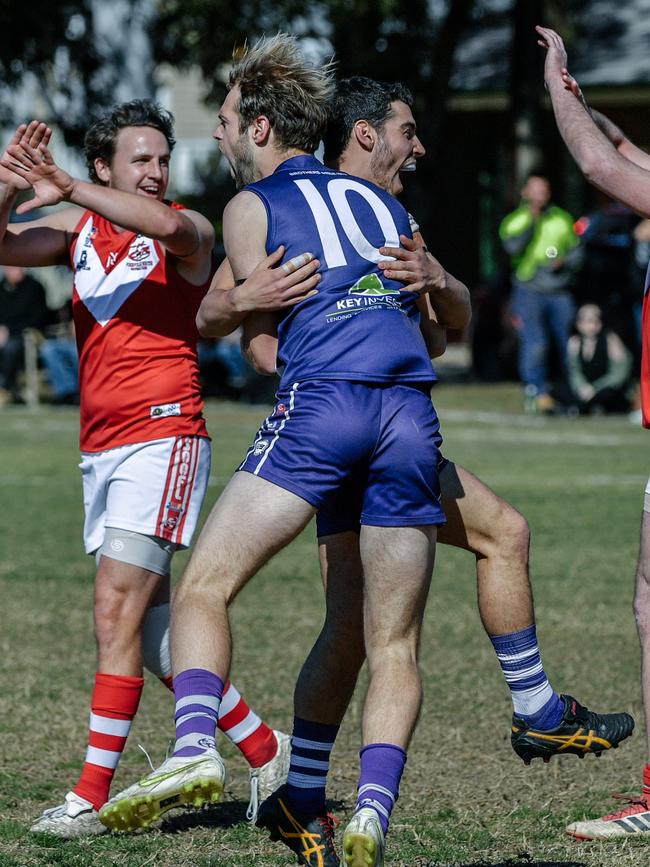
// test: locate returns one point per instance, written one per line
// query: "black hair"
(359, 98)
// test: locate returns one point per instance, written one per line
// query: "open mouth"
(152, 192)
(408, 167)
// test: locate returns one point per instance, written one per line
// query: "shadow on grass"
(526, 862)
(229, 813)
(224, 815)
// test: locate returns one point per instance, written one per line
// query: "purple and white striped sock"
(533, 697)
(198, 695)
(382, 766)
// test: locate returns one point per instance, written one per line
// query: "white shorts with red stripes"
(154, 488)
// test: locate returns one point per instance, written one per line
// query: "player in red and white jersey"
(613, 164)
(141, 266)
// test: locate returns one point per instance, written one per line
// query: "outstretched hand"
(34, 133)
(30, 162)
(414, 266)
(556, 56)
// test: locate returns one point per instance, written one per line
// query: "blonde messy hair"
(275, 80)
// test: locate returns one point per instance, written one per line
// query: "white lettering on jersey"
(103, 294)
(334, 255)
(332, 249)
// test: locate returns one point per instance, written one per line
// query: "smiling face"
(140, 163)
(235, 146)
(397, 148)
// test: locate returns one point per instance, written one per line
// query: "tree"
(82, 56)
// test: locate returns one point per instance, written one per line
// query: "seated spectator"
(59, 355)
(22, 305)
(599, 365)
(224, 372)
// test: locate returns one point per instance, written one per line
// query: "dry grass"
(466, 799)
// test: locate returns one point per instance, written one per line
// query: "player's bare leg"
(265, 750)
(398, 562)
(634, 818)
(123, 593)
(498, 535)
(642, 617)
(252, 520)
(329, 675)
(544, 723)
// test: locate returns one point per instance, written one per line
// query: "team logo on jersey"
(368, 293)
(370, 285)
(92, 234)
(111, 260)
(281, 409)
(164, 410)
(82, 262)
(139, 250)
(260, 447)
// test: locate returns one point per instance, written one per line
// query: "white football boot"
(265, 780)
(363, 840)
(630, 821)
(76, 817)
(181, 781)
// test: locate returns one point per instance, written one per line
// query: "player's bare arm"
(605, 166)
(259, 342)
(422, 273)
(270, 286)
(435, 334)
(607, 126)
(185, 234)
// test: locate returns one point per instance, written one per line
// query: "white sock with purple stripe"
(198, 696)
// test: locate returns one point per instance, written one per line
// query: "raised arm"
(620, 141)
(185, 234)
(601, 159)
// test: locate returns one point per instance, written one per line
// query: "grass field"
(466, 798)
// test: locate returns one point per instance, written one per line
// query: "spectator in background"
(59, 355)
(545, 254)
(599, 365)
(224, 372)
(22, 305)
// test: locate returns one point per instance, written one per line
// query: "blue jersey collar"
(304, 161)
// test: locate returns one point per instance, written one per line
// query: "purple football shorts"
(370, 448)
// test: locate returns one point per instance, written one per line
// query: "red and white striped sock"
(245, 729)
(113, 706)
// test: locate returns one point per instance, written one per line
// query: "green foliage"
(52, 42)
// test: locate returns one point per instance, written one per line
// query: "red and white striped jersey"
(134, 317)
